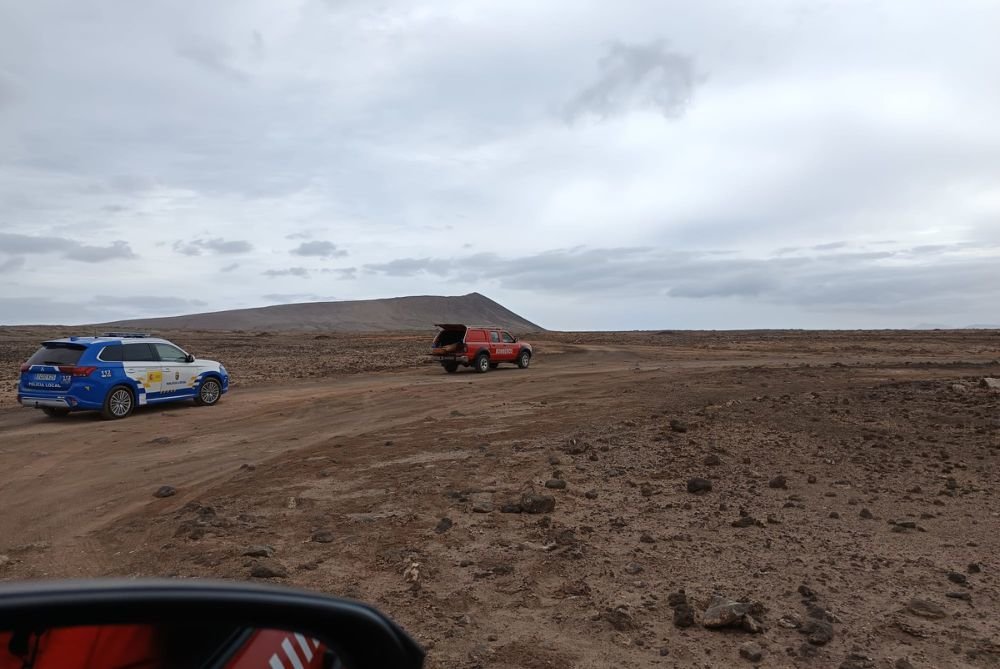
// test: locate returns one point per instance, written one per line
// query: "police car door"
(143, 366)
(178, 377)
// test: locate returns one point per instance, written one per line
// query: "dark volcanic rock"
(698, 485)
(534, 503)
(818, 632)
(683, 613)
(443, 525)
(752, 652)
(723, 612)
(556, 484)
(323, 536)
(268, 569)
(778, 481)
(165, 491)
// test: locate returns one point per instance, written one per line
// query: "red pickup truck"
(481, 347)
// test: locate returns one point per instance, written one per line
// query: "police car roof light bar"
(127, 335)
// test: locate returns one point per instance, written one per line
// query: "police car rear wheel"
(209, 393)
(118, 404)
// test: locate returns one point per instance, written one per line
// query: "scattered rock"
(957, 577)
(619, 619)
(482, 502)
(834, 515)
(165, 491)
(712, 460)
(857, 661)
(683, 613)
(443, 525)
(974, 568)
(903, 663)
(811, 479)
(556, 484)
(268, 569)
(323, 536)
(4, 559)
(924, 608)
(723, 612)
(590, 494)
(752, 652)
(534, 503)
(681, 426)
(160, 440)
(646, 490)
(792, 621)
(698, 485)
(258, 551)
(959, 387)
(647, 538)
(866, 514)
(778, 481)
(633, 568)
(964, 596)
(990, 383)
(511, 507)
(746, 521)
(818, 632)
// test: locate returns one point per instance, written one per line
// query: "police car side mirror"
(189, 358)
(170, 624)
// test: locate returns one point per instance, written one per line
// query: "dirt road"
(391, 486)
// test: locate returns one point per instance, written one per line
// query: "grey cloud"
(217, 245)
(829, 246)
(148, 303)
(410, 267)
(827, 282)
(212, 55)
(290, 297)
(291, 271)
(638, 75)
(67, 248)
(343, 273)
(12, 264)
(230, 268)
(320, 249)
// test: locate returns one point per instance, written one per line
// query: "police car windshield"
(57, 354)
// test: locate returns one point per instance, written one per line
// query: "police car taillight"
(77, 371)
(25, 367)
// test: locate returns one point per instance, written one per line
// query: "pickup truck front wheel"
(524, 360)
(482, 364)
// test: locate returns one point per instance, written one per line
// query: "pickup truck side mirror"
(168, 623)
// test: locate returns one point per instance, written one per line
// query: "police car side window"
(170, 353)
(139, 353)
(112, 353)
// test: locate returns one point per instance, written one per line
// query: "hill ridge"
(414, 312)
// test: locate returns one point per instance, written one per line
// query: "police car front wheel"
(208, 393)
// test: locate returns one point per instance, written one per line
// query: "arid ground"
(854, 492)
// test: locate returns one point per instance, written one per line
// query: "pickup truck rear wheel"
(524, 360)
(450, 367)
(482, 363)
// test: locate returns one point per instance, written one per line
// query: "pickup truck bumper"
(461, 359)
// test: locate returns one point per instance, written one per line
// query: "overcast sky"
(591, 165)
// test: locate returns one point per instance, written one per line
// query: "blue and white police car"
(115, 373)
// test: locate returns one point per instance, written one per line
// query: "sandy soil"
(367, 473)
